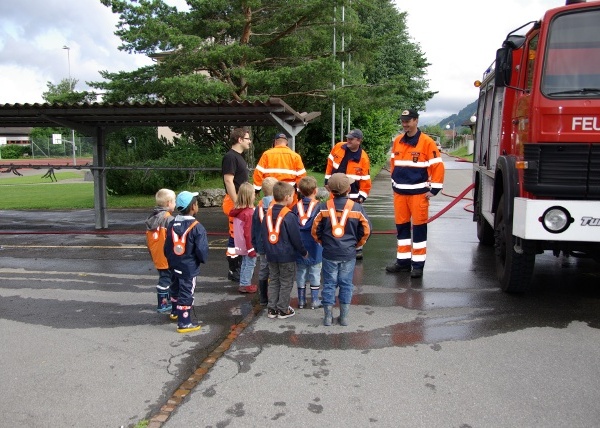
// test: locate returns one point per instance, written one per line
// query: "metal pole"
(68, 49)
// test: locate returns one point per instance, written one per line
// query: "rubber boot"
(234, 268)
(315, 303)
(328, 318)
(263, 286)
(344, 309)
(164, 305)
(184, 321)
(301, 297)
(173, 315)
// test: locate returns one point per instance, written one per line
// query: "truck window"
(572, 62)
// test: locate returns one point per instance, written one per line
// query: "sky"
(459, 38)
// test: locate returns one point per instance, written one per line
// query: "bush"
(14, 151)
(148, 181)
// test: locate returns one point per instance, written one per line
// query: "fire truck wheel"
(514, 269)
(485, 232)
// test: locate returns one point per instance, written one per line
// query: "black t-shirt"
(235, 164)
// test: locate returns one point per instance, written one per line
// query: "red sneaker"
(248, 289)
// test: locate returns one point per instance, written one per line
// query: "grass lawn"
(33, 192)
(462, 153)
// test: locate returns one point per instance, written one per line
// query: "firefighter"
(417, 175)
(235, 172)
(351, 159)
(279, 162)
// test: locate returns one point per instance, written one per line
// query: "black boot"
(234, 268)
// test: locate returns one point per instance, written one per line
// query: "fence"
(45, 148)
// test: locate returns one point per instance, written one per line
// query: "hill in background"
(463, 116)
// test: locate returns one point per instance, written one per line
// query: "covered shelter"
(98, 119)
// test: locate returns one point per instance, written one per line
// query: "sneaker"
(187, 328)
(416, 273)
(233, 276)
(248, 289)
(283, 315)
(359, 254)
(395, 268)
(272, 313)
(173, 317)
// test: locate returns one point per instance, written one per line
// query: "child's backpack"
(155, 240)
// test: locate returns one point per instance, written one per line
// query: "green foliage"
(153, 154)
(240, 50)
(378, 126)
(64, 93)
(14, 151)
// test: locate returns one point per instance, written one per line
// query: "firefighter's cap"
(409, 114)
(280, 135)
(355, 133)
(339, 183)
(184, 199)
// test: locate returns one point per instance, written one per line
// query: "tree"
(64, 93)
(256, 49)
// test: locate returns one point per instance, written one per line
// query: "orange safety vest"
(179, 242)
(338, 228)
(274, 231)
(304, 216)
(261, 211)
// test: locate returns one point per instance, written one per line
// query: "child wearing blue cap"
(186, 247)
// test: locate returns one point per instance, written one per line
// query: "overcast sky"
(459, 39)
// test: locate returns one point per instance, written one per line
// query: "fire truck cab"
(537, 143)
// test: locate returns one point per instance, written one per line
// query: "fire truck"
(536, 163)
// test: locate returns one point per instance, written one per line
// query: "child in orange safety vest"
(282, 242)
(340, 226)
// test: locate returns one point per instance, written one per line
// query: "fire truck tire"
(485, 232)
(514, 270)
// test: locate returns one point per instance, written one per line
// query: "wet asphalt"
(83, 346)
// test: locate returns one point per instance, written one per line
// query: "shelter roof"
(86, 117)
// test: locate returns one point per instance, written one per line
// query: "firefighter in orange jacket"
(279, 162)
(417, 175)
(350, 158)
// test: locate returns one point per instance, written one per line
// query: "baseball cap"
(409, 114)
(280, 135)
(184, 199)
(355, 133)
(339, 183)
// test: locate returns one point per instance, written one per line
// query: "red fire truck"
(537, 143)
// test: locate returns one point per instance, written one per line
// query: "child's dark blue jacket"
(289, 244)
(315, 250)
(196, 246)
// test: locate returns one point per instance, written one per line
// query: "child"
(186, 247)
(340, 226)
(257, 240)
(308, 269)
(156, 231)
(281, 238)
(242, 235)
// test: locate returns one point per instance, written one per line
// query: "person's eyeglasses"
(246, 138)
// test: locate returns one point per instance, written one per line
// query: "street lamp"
(453, 130)
(71, 90)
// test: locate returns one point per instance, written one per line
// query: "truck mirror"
(503, 67)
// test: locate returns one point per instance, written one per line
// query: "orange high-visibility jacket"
(280, 162)
(418, 168)
(358, 168)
